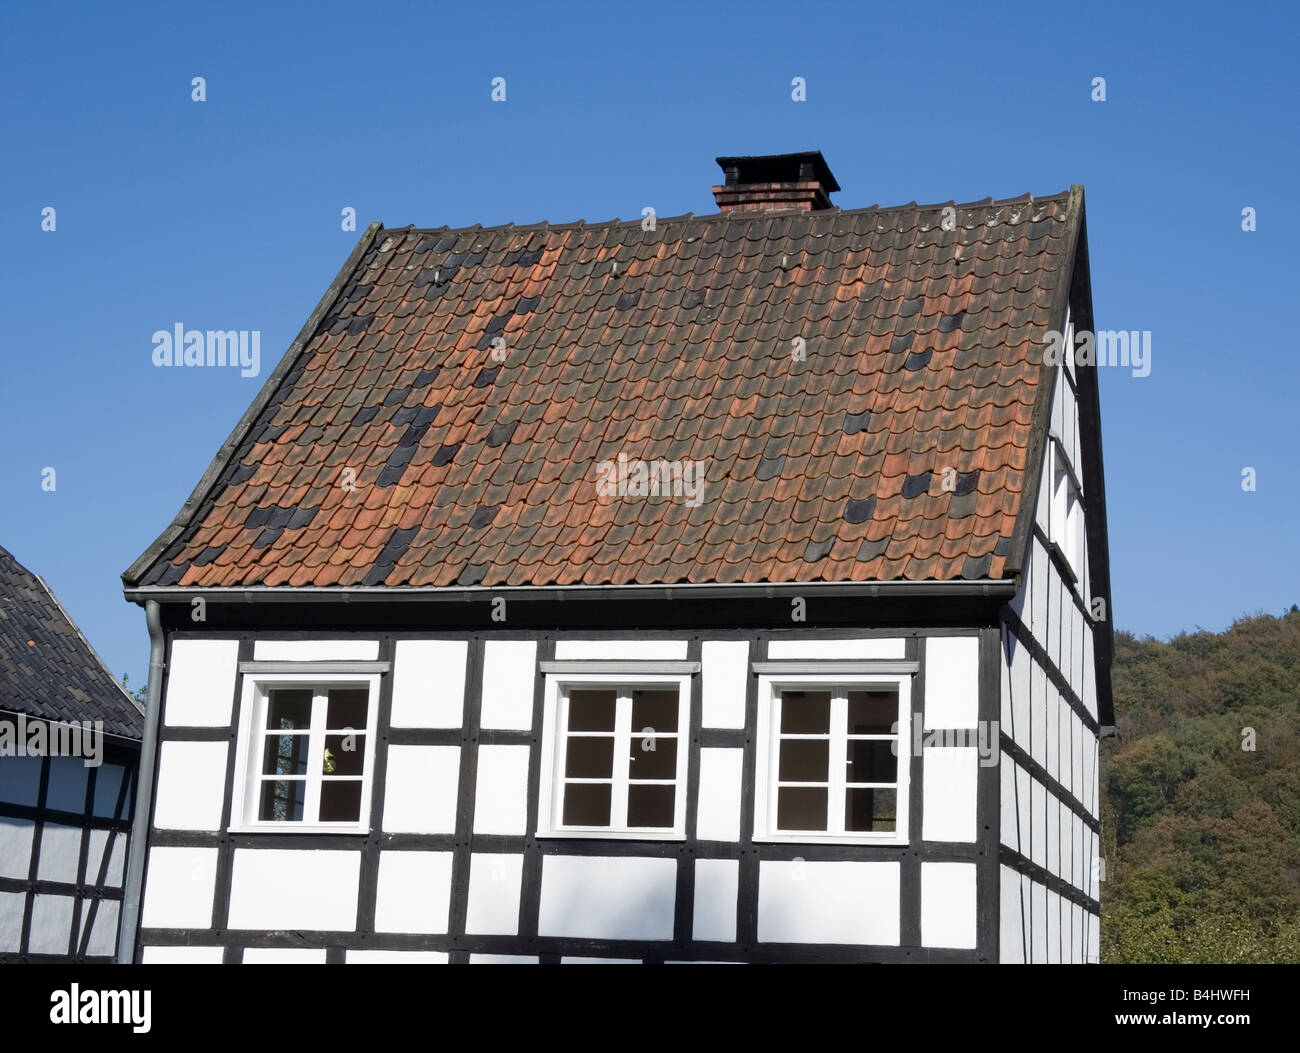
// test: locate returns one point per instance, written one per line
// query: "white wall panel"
(51, 924)
(103, 937)
(95, 856)
(1019, 685)
(179, 887)
(1038, 820)
(503, 959)
(948, 905)
(60, 853)
(1053, 834)
(346, 650)
(201, 683)
(1052, 734)
(604, 898)
(273, 888)
(804, 647)
(414, 892)
(509, 675)
(828, 902)
(716, 888)
(12, 907)
(1053, 928)
(1038, 714)
(1011, 944)
(15, 846)
(495, 880)
(182, 955)
(949, 780)
(420, 791)
(1038, 932)
(721, 783)
(284, 956)
(396, 957)
(724, 667)
(501, 790)
(191, 785)
(952, 681)
(1007, 799)
(429, 683)
(620, 650)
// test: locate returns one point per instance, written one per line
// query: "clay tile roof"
(444, 416)
(47, 668)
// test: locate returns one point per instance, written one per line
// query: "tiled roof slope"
(47, 668)
(919, 355)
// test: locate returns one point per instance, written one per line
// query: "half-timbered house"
(69, 752)
(709, 588)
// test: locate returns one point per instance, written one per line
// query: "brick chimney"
(775, 183)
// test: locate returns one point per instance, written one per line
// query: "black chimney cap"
(779, 168)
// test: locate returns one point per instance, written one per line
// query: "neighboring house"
(642, 591)
(69, 754)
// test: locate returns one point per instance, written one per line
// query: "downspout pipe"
(126, 936)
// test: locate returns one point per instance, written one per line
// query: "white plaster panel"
(621, 650)
(191, 785)
(60, 853)
(599, 961)
(1076, 934)
(1038, 601)
(495, 880)
(429, 683)
(1053, 834)
(12, 907)
(347, 650)
(1089, 682)
(420, 789)
(948, 909)
(503, 959)
(1038, 714)
(1082, 639)
(274, 888)
(724, 667)
(1076, 776)
(828, 902)
(859, 649)
(414, 892)
(1020, 686)
(949, 781)
(1052, 736)
(95, 856)
(201, 683)
(1024, 793)
(1092, 937)
(1011, 949)
(103, 937)
(501, 790)
(952, 668)
(1078, 863)
(67, 789)
(1055, 596)
(1064, 747)
(721, 783)
(716, 887)
(178, 888)
(284, 956)
(595, 897)
(1053, 928)
(51, 924)
(182, 955)
(1007, 800)
(1038, 934)
(509, 676)
(396, 957)
(20, 780)
(15, 847)
(1038, 818)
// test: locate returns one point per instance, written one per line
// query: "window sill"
(610, 835)
(884, 840)
(350, 829)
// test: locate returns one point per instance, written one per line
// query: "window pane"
(347, 708)
(650, 805)
(871, 760)
(282, 800)
(804, 760)
(655, 710)
(591, 710)
(344, 755)
(870, 810)
(340, 800)
(586, 804)
(653, 758)
(288, 710)
(801, 808)
(805, 712)
(872, 712)
(285, 755)
(589, 758)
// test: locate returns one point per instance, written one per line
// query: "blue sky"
(226, 214)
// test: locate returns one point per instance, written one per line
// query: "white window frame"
(765, 782)
(248, 754)
(1065, 512)
(554, 741)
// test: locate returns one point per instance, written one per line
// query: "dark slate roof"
(47, 667)
(922, 353)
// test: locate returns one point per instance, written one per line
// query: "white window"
(1066, 514)
(616, 751)
(306, 753)
(833, 759)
